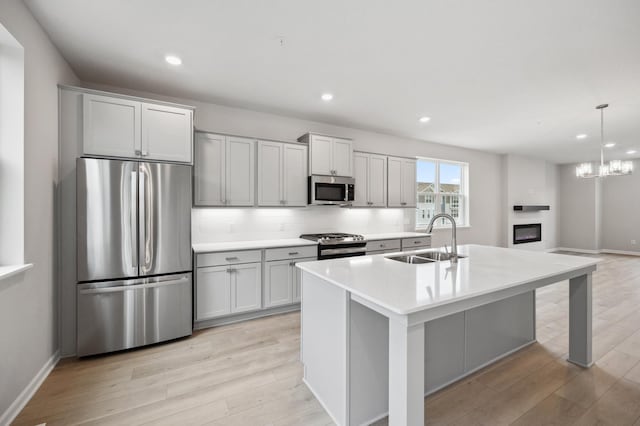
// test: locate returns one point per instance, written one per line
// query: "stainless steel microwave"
(336, 190)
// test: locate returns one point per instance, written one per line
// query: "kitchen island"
(379, 334)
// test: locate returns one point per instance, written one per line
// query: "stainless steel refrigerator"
(133, 254)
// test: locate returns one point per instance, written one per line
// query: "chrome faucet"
(454, 245)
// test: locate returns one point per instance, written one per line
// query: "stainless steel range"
(336, 245)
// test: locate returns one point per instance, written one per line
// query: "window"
(11, 150)
(442, 187)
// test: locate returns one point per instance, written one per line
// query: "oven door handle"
(342, 250)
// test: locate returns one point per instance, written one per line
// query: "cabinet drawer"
(228, 258)
(408, 243)
(377, 245)
(291, 252)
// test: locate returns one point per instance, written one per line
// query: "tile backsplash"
(234, 224)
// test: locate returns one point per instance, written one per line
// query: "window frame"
(464, 194)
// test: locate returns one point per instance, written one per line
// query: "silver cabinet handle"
(228, 259)
(382, 246)
(231, 270)
(138, 152)
(293, 253)
(403, 204)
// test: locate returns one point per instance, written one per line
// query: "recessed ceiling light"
(425, 119)
(609, 145)
(581, 136)
(631, 151)
(173, 60)
(326, 97)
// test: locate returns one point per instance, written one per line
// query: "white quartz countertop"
(251, 245)
(407, 288)
(394, 235)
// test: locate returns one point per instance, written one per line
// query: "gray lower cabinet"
(282, 282)
(228, 289)
(242, 283)
(416, 243)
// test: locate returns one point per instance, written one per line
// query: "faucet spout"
(454, 244)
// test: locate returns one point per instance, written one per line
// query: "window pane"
(426, 188)
(453, 205)
(450, 178)
(426, 172)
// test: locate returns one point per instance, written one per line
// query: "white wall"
(579, 219)
(530, 181)
(601, 214)
(28, 303)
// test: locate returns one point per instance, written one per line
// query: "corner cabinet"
(129, 128)
(224, 170)
(328, 155)
(282, 174)
(401, 182)
(370, 172)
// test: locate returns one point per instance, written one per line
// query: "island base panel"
(356, 358)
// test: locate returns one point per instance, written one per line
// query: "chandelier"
(602, 169)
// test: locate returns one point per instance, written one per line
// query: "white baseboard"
(608, 251)
(627, 252)
(577, 250)
(27, 393)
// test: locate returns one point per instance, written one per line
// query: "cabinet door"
(213, 292)
(342, 157)
(270, 169)
(166, 133)
(408, 183)
(361, 174)
(246, 287)
(394, 182)
(295, 173)
(321, 155)
(297, 279)
(278, 283)
(240, 167)
(110, 126)
(377, 180)
(209, 170)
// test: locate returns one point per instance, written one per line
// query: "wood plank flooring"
(249, 374)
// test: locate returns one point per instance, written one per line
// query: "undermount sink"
(411, 259)
(425, 257)
(438, 255)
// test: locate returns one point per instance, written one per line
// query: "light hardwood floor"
(249, 374)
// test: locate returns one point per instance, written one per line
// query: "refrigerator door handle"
(134, 220)
(144, 211)
(121, 288)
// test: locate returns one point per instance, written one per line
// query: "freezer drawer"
(117, 315)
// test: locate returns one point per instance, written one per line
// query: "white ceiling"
(519, 76)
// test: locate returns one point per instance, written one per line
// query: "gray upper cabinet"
(370, 172)
(129, 128)
(224, 170)
(401, 182)
(111, 126)
(167, 133)
(328, 155)
(282, 174)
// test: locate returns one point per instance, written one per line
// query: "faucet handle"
(446, 249)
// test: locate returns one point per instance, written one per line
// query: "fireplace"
(527, 233)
